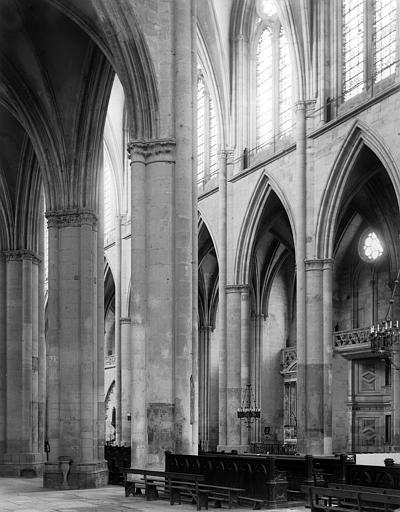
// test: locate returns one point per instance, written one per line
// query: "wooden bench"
(187, 485)
(151, 481)
(257, 503)
(222, 494)
(364, 488)
(328, 499)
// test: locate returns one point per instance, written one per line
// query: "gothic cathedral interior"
(199, 230)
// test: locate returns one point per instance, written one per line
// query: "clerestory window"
(368, 43)
(274, 92)
(207, 159)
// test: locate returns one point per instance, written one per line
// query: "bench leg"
(202, 501)
(151, 493)
(130, 488)
(174, 495)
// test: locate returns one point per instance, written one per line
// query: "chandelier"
(248, 410)
(383, 335)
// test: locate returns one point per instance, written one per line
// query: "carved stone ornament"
(156, 150)
(20, 255)
(70, 218)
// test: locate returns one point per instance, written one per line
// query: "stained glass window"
(384, 38)
(369, 43)
(264, 117)
(353, 47)
(372, 247)
(285, 86)
(200, 128)
(207, 136)
(274, 116)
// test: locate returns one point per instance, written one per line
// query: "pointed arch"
(247, 236)
(203, 221)
(359, 136)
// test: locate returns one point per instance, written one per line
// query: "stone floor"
(27, 495)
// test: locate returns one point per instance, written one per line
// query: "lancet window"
(274, 105)
(207, 160)
(368, 43)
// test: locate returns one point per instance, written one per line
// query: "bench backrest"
(144, 472)
(187, 477)
(364, 488)
(315, 492)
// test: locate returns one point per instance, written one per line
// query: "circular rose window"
(370, 247)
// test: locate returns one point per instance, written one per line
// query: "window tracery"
(207, 136)
(274, 95)
(370, 247)
(368, 43)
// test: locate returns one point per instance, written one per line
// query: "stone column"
(222, 204)
(233, 362)
(126, 381)
(117, 333)
(138, 313)
(204, 385)
(396, 397)
(314, 360)
(258, 326)
(74, 352)
(21, 380)
(184, 308)
(327, 271)
(300, 213)
(245, 355)
(41, 335)
(3, 355)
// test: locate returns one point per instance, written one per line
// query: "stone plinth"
(80, 476)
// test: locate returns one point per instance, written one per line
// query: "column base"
(80, 476)
(236, 448)
(25, 465)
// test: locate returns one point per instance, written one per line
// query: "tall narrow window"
(385, 38)
(207, 136)
(264, 88)
(274, 114)
(353, 47)
(200, 127)
(369, 43)
(285, 85)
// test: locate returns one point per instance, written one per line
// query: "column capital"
(125, 320)
(71, 218)
(237, 288)
(307, 105)
(19, 255)
(153, 150)
(225, 153)
(318, 264)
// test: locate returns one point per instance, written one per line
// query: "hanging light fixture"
(248, 410)
(383, 335)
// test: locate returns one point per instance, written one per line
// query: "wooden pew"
(181, 485)
(364, 488)
(328, 499)
(150, 481)
(174, 485)
(223, 494)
